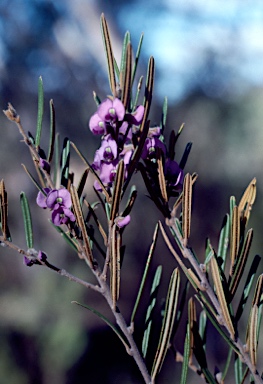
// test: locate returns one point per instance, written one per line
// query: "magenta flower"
(58, 198)
(62, 215)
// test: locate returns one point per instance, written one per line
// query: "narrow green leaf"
(239, 267)
(126, 86)
(209, 252)
(164, 114)
(116, 69)
(216, 324)
(52, 133)
(57, 155)
(224, 241)
(27, 219)
(168, 322)
(109, 54)
(238, 370)
(228, 363)
(117, 190)
(187, 205)
(107, 321)
(202, 325)
(137, 56)
(187, 348)
(40, 111)
(148, 91)
(65, 158)
(145, 273)
(126, 41)
(151, 306)
(221, 296)
(138, 90)
(247, 287)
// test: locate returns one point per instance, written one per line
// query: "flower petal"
(97, 125)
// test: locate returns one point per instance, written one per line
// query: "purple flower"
(59, 201)
(122, 221)
(173, 174)
(58, 198)
(41, 198)
(97, 125)
(107, 152)
(150, 147)
(109, 111)
(136, 116)
(62, 215)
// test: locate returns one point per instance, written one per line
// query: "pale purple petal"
(56, 216)
(41, 198)
(97, 125)
(119, 109)
(136, 117)
(122, 221)
(64, 194)
(103, 110)
(52, 199)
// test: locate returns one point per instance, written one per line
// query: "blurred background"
(208, 58)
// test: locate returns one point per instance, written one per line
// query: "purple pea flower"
(150, 147)
(97, 125)
(107, 152)
(58, 198)
(62, 215)
(109, 111)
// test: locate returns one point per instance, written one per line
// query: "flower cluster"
(118, 130)
(112, 121)
(59, 201)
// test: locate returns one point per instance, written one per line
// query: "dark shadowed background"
(208, 58)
